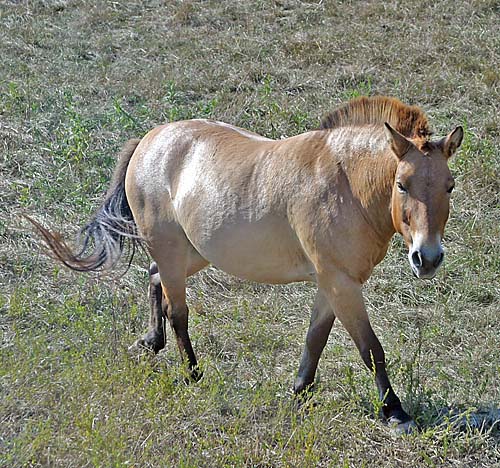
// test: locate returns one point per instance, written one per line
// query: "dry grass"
(78, 78)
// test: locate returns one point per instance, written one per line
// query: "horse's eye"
(451, 189)
(401, 187)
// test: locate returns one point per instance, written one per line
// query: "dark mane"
(407, 120)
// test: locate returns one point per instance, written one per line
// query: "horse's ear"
(452, 142)
(399, 143)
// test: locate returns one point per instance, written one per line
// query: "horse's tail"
(103, 238)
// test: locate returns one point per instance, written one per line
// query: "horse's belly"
(265, 251)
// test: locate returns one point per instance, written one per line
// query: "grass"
(78, 78)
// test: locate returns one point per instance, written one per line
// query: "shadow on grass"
(483, 420)
(428, 417)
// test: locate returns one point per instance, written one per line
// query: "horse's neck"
(370, 168)
(374, 189)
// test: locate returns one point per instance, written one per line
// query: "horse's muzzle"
(425, 261)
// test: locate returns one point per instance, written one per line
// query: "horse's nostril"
(439, 259)
(416, 258)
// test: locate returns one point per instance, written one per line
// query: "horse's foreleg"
(322, 319)
(344, 295)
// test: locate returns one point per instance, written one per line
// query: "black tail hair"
(111, 227)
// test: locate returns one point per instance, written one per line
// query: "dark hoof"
(302, 389)
(149, 342)
(400, 428)
(398, 420)
(304, 393)
(303, 396)
(195, 375)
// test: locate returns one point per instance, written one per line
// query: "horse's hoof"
(195, 375)
(399, 428)
(149, 343)
(140, 347)
(303, 391)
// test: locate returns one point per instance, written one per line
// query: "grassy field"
(78, 78)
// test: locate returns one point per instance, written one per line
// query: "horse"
(321, 206)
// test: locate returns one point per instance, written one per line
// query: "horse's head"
(421, 196)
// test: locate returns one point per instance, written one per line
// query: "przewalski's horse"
(321, 206)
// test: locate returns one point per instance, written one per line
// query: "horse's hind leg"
(154, 339)
(322, 319)
(176, 259)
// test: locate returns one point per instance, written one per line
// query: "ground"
(78, 78)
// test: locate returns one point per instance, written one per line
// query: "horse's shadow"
(483, 420)
(431, 418)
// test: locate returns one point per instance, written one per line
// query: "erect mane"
(407, 120)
